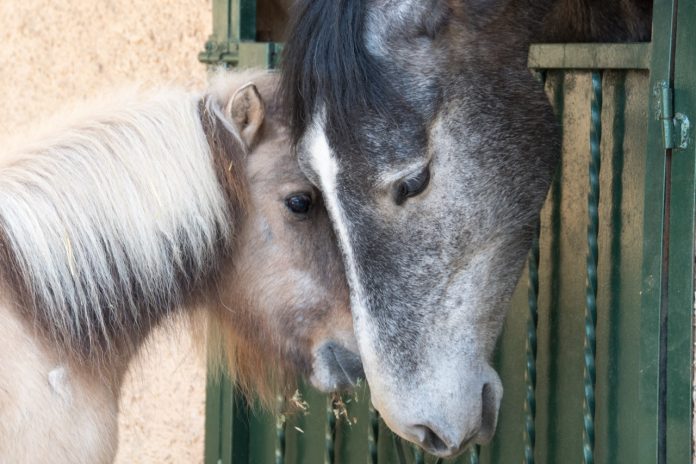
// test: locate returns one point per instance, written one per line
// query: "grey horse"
(434, 148)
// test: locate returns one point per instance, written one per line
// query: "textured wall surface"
(67, 50)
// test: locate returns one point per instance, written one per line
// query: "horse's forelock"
(326, 64)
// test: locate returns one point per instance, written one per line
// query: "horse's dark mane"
(326, 62)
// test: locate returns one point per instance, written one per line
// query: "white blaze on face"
(412, 405)
(325, 165)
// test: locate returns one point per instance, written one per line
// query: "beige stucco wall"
(53, 52)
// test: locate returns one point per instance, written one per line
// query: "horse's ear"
(475, 13)
(247, 110)
(436, 15)
(478, 13)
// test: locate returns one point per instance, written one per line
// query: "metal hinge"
(675, 127)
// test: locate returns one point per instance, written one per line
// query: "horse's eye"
(412, 186)
(299, 203)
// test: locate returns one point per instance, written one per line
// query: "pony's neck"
(125, 216)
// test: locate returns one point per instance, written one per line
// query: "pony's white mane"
(114, 217)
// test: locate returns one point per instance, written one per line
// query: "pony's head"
(434, 148)
(286, 292)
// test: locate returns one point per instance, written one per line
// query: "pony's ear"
(247, 110)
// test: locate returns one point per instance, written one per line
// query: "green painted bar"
(257, 55)
(330, 431)
(549, 291)
(227, 425)
(213, 422)
(529, 432)
(235, 17)
(386, 447)
(352, 432)
(681, 249)
(240, 427)
(590, 342)
(661, 67)
(590, 56)
(262, 436)
(508, 443)
(280, 439)
(373, 436)
(247, 21)
(620, 238)
(562, 286)
(305, 432)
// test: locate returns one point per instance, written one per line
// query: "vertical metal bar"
(386, 451)
(531, 349)
(240, 429)
(263, 436)
(306, 431)
(549, 330)
(679, 338)
(373, 435)
(247, 20)
(474, 455)
(650, 441)
(399, 446)
(418, 456)
(221, 20)
(213, 421)
(530, 374)
(588, 438)
(330, 431)
(351, 441)
(280, 435)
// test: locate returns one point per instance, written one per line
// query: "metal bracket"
(241, 54)
(681, 131)
(217, 52)
(675, 127)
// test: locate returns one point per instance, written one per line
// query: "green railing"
(596, 355)
(234, 38)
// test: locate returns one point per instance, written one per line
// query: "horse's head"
(288, 279)
(434, 149)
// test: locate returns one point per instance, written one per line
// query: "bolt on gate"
(597, 352)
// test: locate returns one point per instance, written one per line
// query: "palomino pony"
(434, 148)
(145, 208)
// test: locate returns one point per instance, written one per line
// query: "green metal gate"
(596, 356)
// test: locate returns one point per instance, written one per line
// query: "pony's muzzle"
(335, 367)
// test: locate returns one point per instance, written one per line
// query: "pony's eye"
(299, 203)
(412, 186)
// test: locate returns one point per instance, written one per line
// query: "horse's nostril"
(430, 441)
(489, 413)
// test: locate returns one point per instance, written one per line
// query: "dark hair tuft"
(326, 62)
